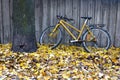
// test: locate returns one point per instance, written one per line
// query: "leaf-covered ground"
(63, 63)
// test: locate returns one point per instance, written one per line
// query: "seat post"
(85, 22)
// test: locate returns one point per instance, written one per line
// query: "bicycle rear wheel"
(101, 41)
(51, 40)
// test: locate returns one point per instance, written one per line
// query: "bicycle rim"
(102, 40)
(53, 40)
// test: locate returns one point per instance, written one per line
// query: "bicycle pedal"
(73, 41)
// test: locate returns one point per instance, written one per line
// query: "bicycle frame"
(65, 25)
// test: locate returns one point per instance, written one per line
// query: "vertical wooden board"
(75, 11)
(62, 12)
(76, 15)
(54, 11)
(79, 13)
(106, 16)
(117, 35)
(69, 8)
(6, 20)
(99, 16)
(45, 16)
(61, 7)
(91, 11)
(51, 13)
(37, 18)
(98, 12)
(48, 12)
(11, 22)
(68, 15)
(40, 15)
(83, 10)
(58, 7)
(113, 19)
(84, 7)
(1, 22)
(106, 12)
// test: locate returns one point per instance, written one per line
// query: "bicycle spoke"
(51, 38)
(102, 40)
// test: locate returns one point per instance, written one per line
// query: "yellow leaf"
(36, 72)
(87, 63)
(26, 78)
(38, 65)
(90, 78)
(24, 65)
(75, 70)
(43, 72)
(2, 67)
(66, 75)
(0, 72)
(84, 54)
(115, 60)
(61, 63)
(53, 71)
(46, 77)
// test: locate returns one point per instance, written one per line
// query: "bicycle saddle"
(87, 18)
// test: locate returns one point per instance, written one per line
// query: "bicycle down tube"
(63, 23)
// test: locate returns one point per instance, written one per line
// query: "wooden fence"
(103, 12)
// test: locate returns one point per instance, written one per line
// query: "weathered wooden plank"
(51, 13)
(1, 22)
(11, 22)
(58, 8)
(91, 11)
(83, 10)
(98, 15)
(54, 11)
(6, 20)
(69, 8)
(98, 12)
(45, 16)
(68, 15)
(117, 35)
(79, 14)
(38, 18)
(105, 16)
(113, 19)
(76, 15)
(106, 12)
(48, 13)
(62, 12)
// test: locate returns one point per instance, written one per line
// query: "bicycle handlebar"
(64, 18)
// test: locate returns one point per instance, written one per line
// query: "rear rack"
(97, 25)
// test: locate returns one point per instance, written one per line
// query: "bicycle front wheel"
(100, 41)
(52, 40)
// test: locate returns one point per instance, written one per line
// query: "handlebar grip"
(65, 18)
(71, 19)
(58, 16)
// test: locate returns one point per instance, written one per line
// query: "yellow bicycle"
(91, 36)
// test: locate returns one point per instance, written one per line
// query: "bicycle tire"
(51, 41)
(92, 46)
